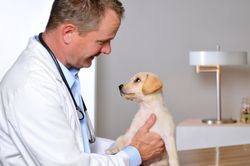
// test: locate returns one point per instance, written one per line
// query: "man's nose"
(106, 49)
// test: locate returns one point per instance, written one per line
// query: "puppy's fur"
(146, 89)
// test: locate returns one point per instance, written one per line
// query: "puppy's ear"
(151, 85)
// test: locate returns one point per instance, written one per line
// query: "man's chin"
(86, 65)
(88, 62)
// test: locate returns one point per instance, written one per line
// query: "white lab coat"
(38, 122)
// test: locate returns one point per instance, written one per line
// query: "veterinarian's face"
(87, 46)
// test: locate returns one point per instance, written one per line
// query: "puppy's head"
(140, 85)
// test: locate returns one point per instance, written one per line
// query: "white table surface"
(193, 134)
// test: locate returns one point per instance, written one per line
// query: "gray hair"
(85, 14)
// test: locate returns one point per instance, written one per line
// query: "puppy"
(146, 89)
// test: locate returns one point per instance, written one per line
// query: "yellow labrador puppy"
(146, 88)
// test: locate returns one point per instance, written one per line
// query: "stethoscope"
(92, 137)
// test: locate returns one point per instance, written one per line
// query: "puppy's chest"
(144, 113)
(147, 111)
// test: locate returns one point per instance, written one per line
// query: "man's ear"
(68, 32)
(151, 84)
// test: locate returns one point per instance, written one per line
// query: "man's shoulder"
(29, 68)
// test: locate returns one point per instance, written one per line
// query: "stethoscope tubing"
(80, 113)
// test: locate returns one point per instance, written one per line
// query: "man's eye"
(137, 80)
(100, 42)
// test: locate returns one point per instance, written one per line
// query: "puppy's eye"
(137, 80)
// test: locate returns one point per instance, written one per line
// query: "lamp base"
(216, 121)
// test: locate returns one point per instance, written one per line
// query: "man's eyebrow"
(104, 40)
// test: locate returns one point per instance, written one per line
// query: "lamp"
(211, 61)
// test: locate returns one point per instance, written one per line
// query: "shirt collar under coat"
(70, 74)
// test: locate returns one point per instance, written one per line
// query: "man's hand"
(149, 144)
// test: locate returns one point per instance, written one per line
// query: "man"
(39, 124)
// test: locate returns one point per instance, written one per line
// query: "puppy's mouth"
(122, 93)
(125, 94)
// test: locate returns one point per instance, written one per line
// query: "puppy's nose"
(120, 87)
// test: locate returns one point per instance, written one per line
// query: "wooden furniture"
(193, 134)
(238, 155)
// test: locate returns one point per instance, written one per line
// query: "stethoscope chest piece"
(79, 113)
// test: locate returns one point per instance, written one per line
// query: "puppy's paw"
(112, 150)
(163, 162)
(159, 164)
(173, 163)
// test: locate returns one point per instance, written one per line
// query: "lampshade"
(217, 58)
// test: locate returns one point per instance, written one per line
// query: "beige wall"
(156, 36)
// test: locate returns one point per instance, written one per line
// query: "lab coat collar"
(70, 74)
